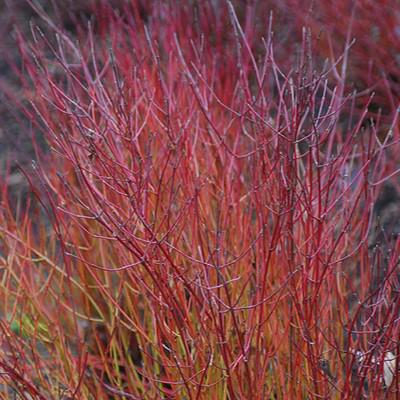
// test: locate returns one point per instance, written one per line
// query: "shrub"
(204, 219)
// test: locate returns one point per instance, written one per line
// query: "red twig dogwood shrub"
(201, 224)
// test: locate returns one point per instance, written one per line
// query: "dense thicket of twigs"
(215, 217)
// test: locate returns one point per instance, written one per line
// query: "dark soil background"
(15, 144)
(17, 148)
